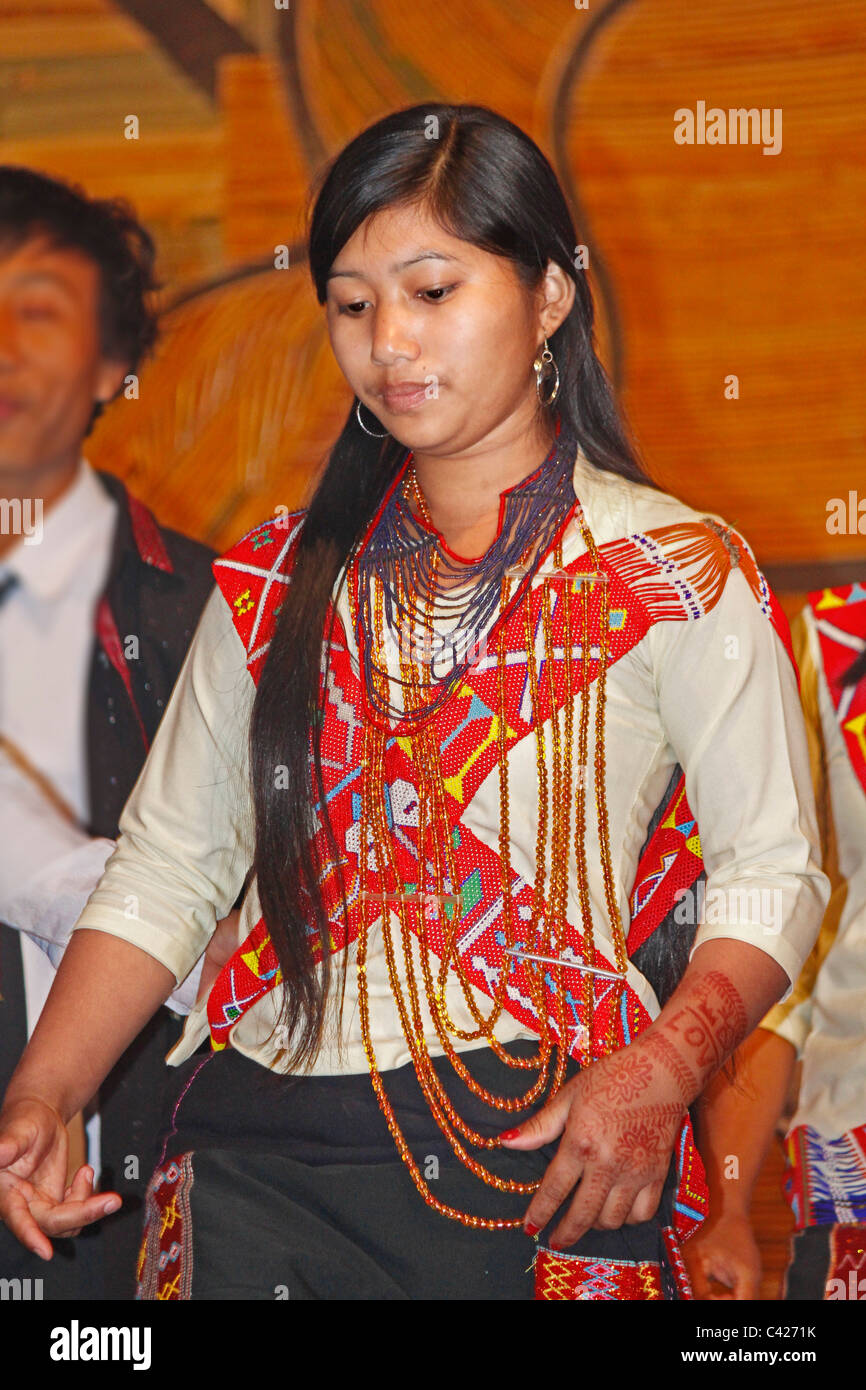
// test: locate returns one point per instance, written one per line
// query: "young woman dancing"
(453, 724)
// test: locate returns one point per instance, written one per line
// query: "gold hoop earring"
(540, 366)
(374, 433)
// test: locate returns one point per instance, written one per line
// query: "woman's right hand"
(35, 1200)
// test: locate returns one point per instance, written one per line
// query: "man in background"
(97, 607)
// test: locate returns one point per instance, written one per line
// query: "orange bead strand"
(544, 932)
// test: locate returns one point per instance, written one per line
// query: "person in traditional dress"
(474, 727)
(821, 1025)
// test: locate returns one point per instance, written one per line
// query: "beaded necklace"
(406, 555)
(557, 792)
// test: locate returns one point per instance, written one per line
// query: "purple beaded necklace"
(402, 551)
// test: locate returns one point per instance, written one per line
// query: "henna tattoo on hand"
(644, 1145)
(641, 1133)
(695, 1026)
(609, 1139)
(647, 1135)
(664, 1052)
(734, 1019)
(631, 1075)
(711, 1022)
(639, 1145)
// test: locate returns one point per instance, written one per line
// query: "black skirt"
(271, 1187)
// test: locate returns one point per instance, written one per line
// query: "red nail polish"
(531, 1230)
(510, 1134)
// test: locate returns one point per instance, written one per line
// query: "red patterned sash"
(253, 577)
(840, 616)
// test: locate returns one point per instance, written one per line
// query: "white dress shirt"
(49, 865)
(46, 643)
(727, 712)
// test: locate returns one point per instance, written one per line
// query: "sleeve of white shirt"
(48, 869)
(45, 904)
(34, 835)
(186, 832)
(729, 703)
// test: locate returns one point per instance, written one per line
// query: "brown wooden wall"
(708, 261)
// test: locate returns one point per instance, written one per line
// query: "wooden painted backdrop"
(729, 281)
(710, 262)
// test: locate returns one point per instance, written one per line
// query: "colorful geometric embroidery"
(670, 863)
(582, 1278)
(825, 1179)
(846, 1272)
(690, 1197)
(677, 1263)
(164, 1269)
(840, 618)
(467, 730)
(646, 581)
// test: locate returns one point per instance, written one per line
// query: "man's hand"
(35, 1199)
(725, 1253)
(619, 1121)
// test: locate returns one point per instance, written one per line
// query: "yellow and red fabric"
(253, 577)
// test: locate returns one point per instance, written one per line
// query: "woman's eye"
(440, 291)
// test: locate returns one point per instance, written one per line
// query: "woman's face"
(408, 303)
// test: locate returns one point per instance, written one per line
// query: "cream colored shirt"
(825, 1017)
(717, 694)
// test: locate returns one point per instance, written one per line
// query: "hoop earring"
(539, 365)
(364, 427)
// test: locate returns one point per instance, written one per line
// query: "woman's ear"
(555, 299)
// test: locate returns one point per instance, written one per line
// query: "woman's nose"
(393, 336)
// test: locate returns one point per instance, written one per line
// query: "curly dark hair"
(107, 232)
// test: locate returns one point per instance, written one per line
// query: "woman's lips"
(398, 399)
(8, 408)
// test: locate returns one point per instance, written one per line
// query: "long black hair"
(485, 181)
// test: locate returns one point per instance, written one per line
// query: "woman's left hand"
(619, 1121)
(221, 948)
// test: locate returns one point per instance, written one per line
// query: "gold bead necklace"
(545, 928)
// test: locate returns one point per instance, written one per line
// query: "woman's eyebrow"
(398, 265)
